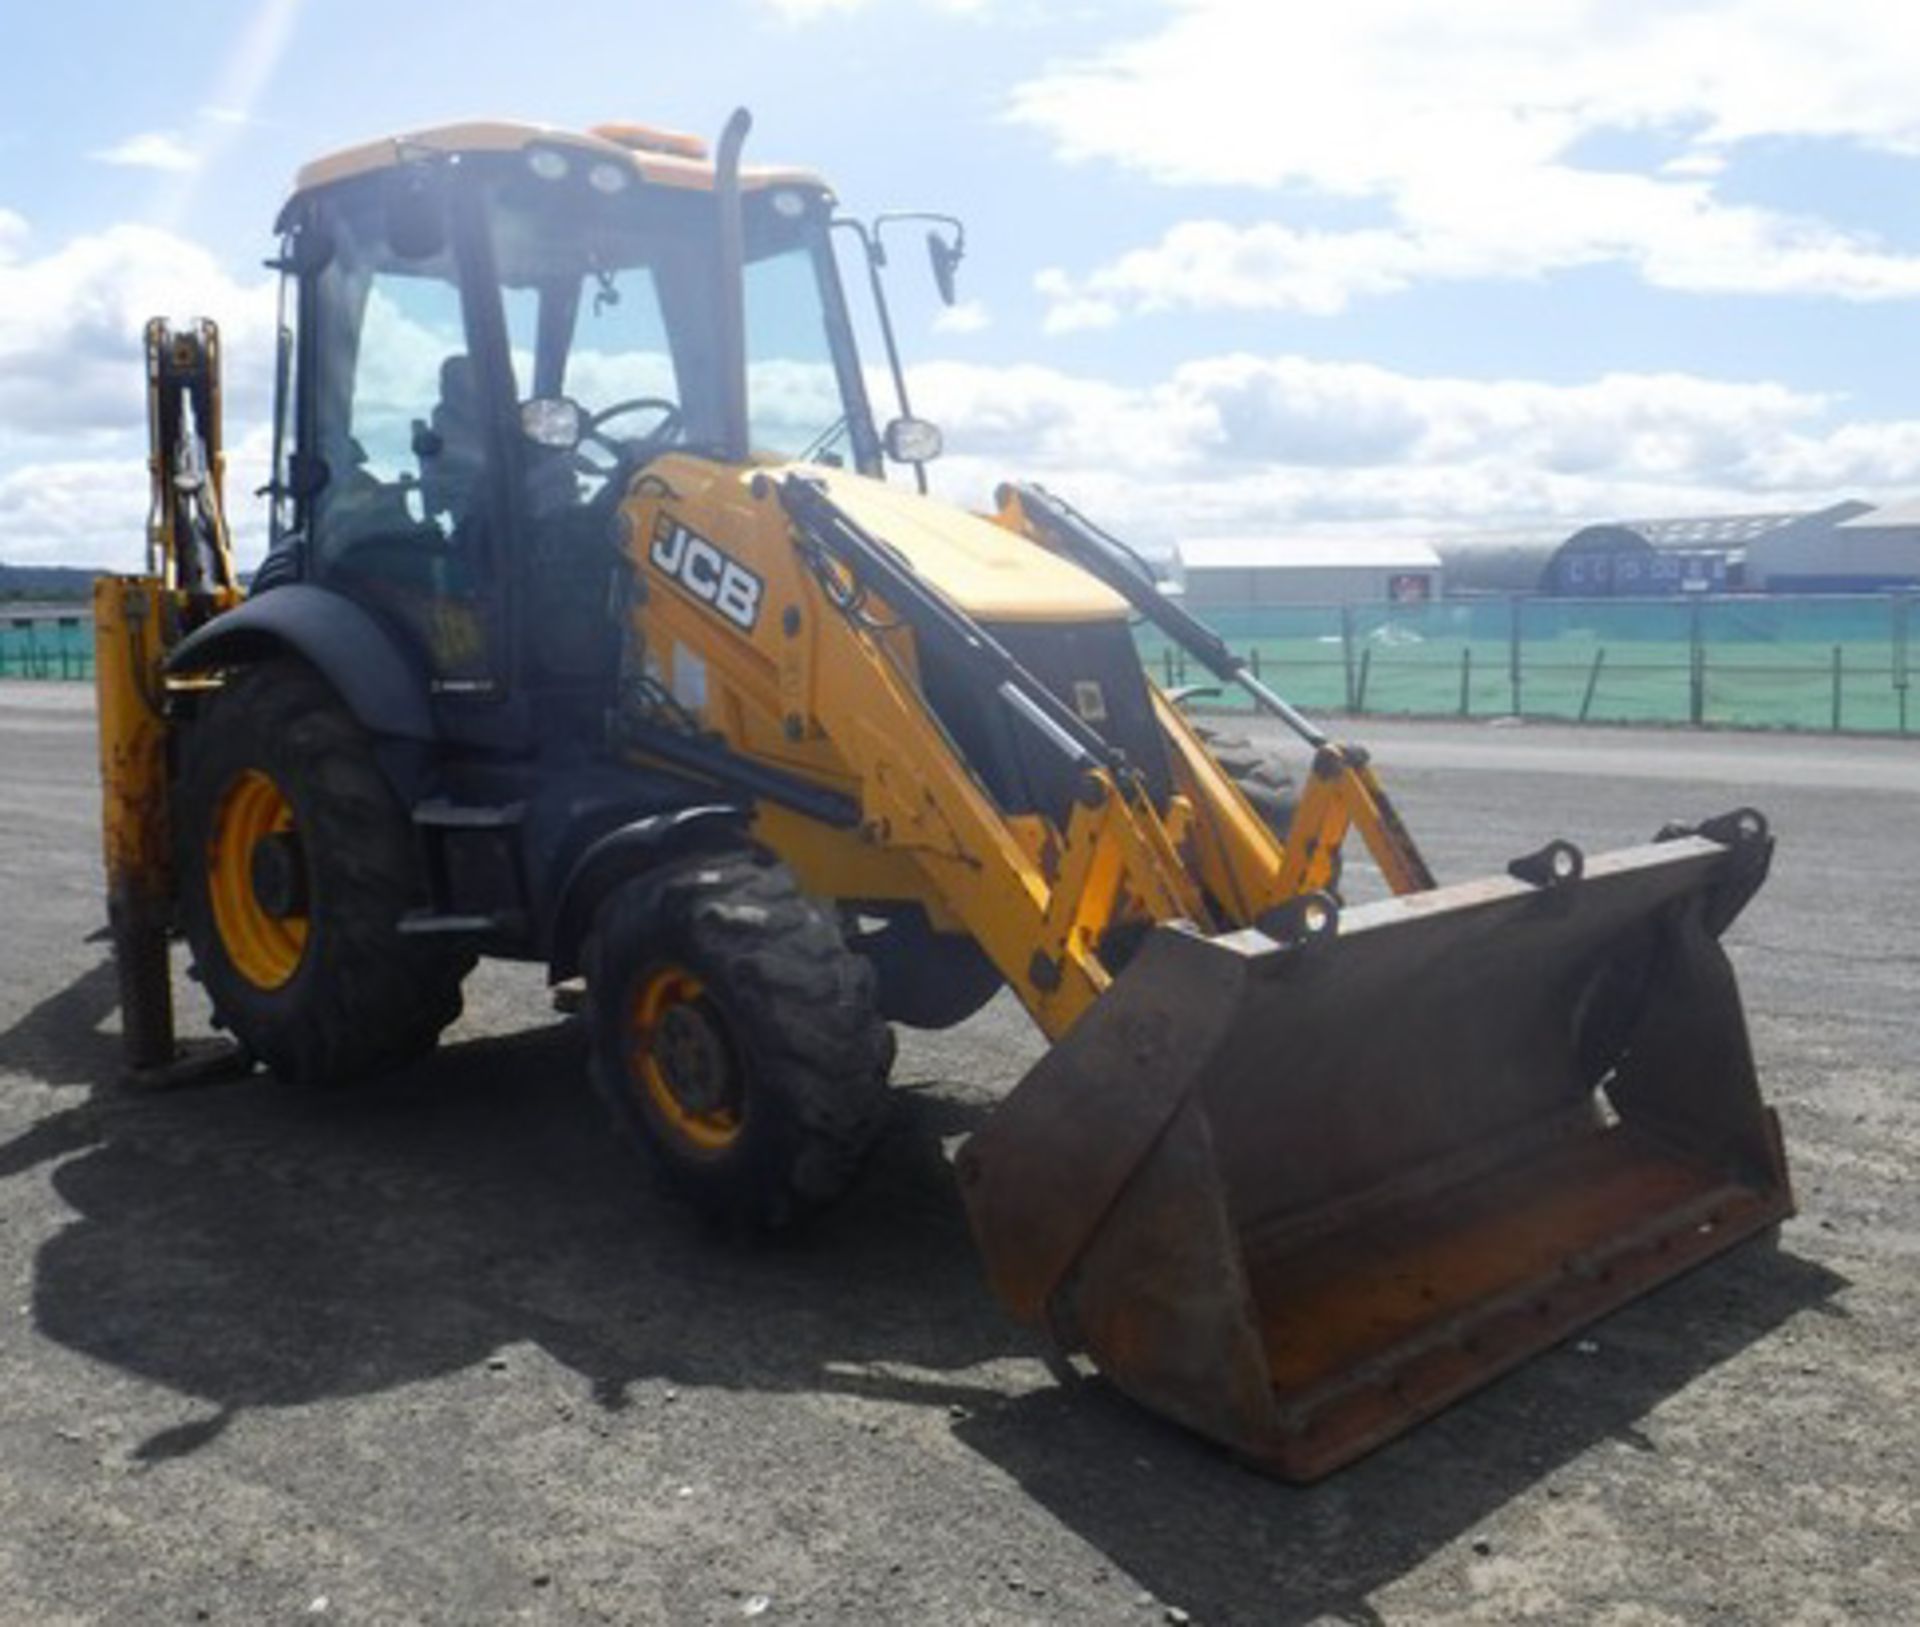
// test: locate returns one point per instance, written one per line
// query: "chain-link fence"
(46, 644)
(1834, 663)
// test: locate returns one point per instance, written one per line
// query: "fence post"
(1696, 669)
(1255, 653)
(1166, 661)
(1836, 688)
(1346, 652)
(1513, 653)
(1466, 680)
(1366, 665)
(1902, 616)
(1593, 681)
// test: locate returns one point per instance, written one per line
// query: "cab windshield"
(610, 289)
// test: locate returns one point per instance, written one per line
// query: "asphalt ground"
(437, 1352)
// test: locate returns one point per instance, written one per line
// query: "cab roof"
(663, 157)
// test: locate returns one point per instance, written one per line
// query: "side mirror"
(553, 422)
(416, 216)
(913, 440)
(945, 258)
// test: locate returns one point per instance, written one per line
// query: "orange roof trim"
(650, 138)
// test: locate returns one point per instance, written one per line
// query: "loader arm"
(1344, 790)
(1039, 903)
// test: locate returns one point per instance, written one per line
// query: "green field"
(1771, 663)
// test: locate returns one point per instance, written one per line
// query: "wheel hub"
(279, 874)
(257, 880)
(682, 1062)
(693, 1059)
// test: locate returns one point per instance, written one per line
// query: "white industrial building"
(1236, 572)
(1871, 550)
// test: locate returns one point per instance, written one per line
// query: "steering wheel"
(628, 455)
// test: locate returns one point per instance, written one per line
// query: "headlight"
(553, 422)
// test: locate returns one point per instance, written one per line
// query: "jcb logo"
(708, 574)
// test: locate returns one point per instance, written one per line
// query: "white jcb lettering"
(669, 544)
(707, 573)
(701, 571)
(739, 596)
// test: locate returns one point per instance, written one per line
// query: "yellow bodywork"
(834, 699)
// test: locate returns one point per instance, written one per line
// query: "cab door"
(403, 430)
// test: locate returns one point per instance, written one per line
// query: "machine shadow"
(253, 1246)
(1229, 1545)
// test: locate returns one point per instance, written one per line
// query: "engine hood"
(990, 572)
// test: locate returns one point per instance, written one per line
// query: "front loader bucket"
(1300, 1196)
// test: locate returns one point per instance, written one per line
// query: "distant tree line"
(45, 583)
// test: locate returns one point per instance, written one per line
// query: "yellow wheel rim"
(679, 1057)
(264, 948)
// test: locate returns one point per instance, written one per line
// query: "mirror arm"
(875, 257)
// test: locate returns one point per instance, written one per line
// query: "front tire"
(1262, 777)
(735, 1038)
(295, 864)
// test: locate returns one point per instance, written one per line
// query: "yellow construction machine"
(592, 633)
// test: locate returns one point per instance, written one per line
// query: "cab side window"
(401, 516)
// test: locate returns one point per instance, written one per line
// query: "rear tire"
(302, 957)
(735, 1038)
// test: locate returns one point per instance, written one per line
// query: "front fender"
(632, 850)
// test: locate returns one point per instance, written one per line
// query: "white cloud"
(1245, 443)
(1675, 236)
(73, 482)
(93, 511)
(151, 149)
(810, 11)
(969, 316)
(807, 11)
(71, 323)
(1461, 128)
(75, 512)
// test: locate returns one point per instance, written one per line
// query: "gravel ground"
(437, 1353)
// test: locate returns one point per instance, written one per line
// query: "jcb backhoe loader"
(591, 633)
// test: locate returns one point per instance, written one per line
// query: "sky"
(1235, 268)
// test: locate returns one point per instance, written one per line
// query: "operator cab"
(489, 331)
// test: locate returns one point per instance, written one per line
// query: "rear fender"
(366, 666)
(621, 855)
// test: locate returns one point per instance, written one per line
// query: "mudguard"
(632, 850)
